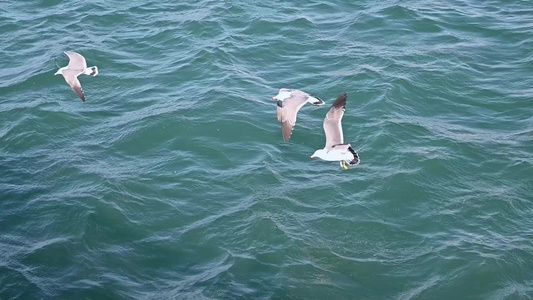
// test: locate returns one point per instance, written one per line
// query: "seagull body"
(76, 66)
(336, 149)
(289, 103)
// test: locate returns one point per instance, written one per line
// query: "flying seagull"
(289, 103)
(336, 149)
(76, 66)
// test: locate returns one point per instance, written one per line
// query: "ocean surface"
(172, 180)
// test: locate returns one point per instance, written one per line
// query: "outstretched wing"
(332, 122)
(79, 91)
(287, 111)
(77, 61)
(71, 77)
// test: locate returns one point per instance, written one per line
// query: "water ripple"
(172, 180)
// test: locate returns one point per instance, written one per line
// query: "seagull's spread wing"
(79, 91)
(76, 61)
(71, 77)
(332, 122)
(287, 111)
(279, 111)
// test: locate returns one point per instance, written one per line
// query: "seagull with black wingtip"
(76, 66)
(336, 149)
(289, 103)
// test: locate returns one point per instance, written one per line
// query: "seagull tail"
(91, 71)
(315, 101)
(355, 160)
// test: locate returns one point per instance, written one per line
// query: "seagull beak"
(310, 157)
(273, 98)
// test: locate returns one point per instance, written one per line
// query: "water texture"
(173, 182)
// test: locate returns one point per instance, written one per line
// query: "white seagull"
(336, 149)
(289, 103)
(76, 66)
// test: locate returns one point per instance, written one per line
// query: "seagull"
(336, 149)
(289, 103)
(76, 66)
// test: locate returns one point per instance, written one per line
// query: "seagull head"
(318, 153)
(59, 72)
(282, 95)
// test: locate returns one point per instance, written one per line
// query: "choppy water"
(172, 181)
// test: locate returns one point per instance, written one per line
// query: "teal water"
(173, 182)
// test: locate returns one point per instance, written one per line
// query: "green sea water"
(172, 180)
